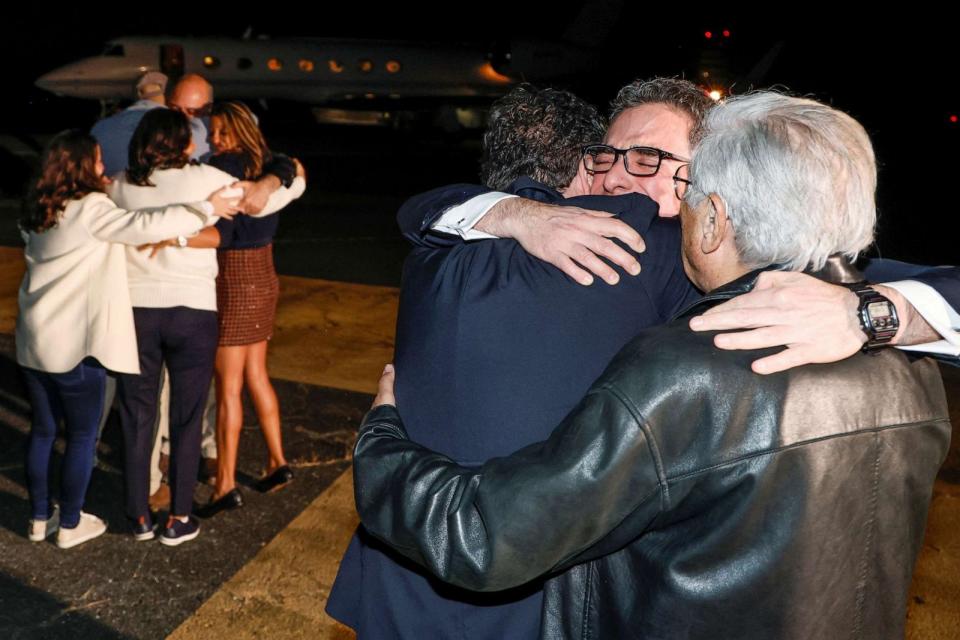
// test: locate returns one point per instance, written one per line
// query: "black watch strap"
(877, 315)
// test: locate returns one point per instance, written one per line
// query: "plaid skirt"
(247, 291)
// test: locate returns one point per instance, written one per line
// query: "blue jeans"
(77, 397)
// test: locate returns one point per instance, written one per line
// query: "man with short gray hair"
(686, 496)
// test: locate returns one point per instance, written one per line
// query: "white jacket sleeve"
(108, 222)
(282, 197)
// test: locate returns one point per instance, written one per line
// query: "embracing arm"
(418, 214)
(572, 239)
(106, 221)
(271, 193)
(817, 321)
(514, 518)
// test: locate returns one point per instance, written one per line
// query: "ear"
(581, 183)
(715, 224)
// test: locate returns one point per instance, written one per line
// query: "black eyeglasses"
(681, 181)
(637, 161)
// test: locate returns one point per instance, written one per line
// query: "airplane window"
(366, 66)
(114, 50)
(274, 64)
(306, 65)
(335, 66)
(393, 66)
(211, 62)
(244, 63)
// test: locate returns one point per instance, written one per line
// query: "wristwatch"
(181, 241)
(877, 315)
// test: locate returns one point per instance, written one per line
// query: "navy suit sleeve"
(418, 214)
(281, 166)
(945, 280)
(226, 228)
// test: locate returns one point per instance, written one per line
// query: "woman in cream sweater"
(174, 300)
(76, 319)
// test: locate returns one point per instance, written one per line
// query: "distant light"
(954, 119)
(275, 64)
(726, 33)
(211, 62)
(305, 65)
(488, 73)
(366, 66)
(705, 74)
(335, 66)
(715, 95)
(393, 66)
(708, 34)
(369, 96)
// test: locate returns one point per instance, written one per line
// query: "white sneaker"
(90, 527)
(40, 530)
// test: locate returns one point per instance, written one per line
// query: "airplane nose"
(55, 81)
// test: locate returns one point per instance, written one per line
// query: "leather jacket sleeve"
(514, 518)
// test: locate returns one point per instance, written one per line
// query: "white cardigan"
(74, 301)
(178, 277)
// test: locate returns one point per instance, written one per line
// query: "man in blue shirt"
(114, 133)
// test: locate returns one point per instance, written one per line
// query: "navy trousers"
(186, 341)
(77, 397)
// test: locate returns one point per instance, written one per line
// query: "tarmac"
(264, 571)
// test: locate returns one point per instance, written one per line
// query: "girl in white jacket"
(76, 319)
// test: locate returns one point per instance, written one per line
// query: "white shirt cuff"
(461, 219)
(934, 308)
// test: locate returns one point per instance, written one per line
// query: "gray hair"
(680, 95)
(798, 179)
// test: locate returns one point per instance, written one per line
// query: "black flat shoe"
(276, 480)
(230, 500)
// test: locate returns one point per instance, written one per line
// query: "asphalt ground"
(114, 587)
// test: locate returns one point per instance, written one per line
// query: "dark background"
(897, 74)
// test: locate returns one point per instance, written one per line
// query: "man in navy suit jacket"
(488, 334)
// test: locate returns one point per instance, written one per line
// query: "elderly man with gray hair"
(685, 496)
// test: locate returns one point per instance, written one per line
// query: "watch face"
(879, 310)
(881, 315)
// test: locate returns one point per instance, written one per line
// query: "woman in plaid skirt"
(247, 291)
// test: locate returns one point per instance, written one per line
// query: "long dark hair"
(67, 172)
(242, 125)
(160, 141)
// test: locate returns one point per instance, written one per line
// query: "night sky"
(897, 74)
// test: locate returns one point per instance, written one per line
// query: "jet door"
(171, 60)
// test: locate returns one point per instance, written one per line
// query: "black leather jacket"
(686, 497)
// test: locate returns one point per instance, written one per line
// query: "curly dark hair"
(67, 172)
(537, 133)
(677, 93)
(160, 141)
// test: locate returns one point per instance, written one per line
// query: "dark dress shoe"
(230, 500)
(276, 480)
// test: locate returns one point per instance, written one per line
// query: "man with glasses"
(505, 340)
